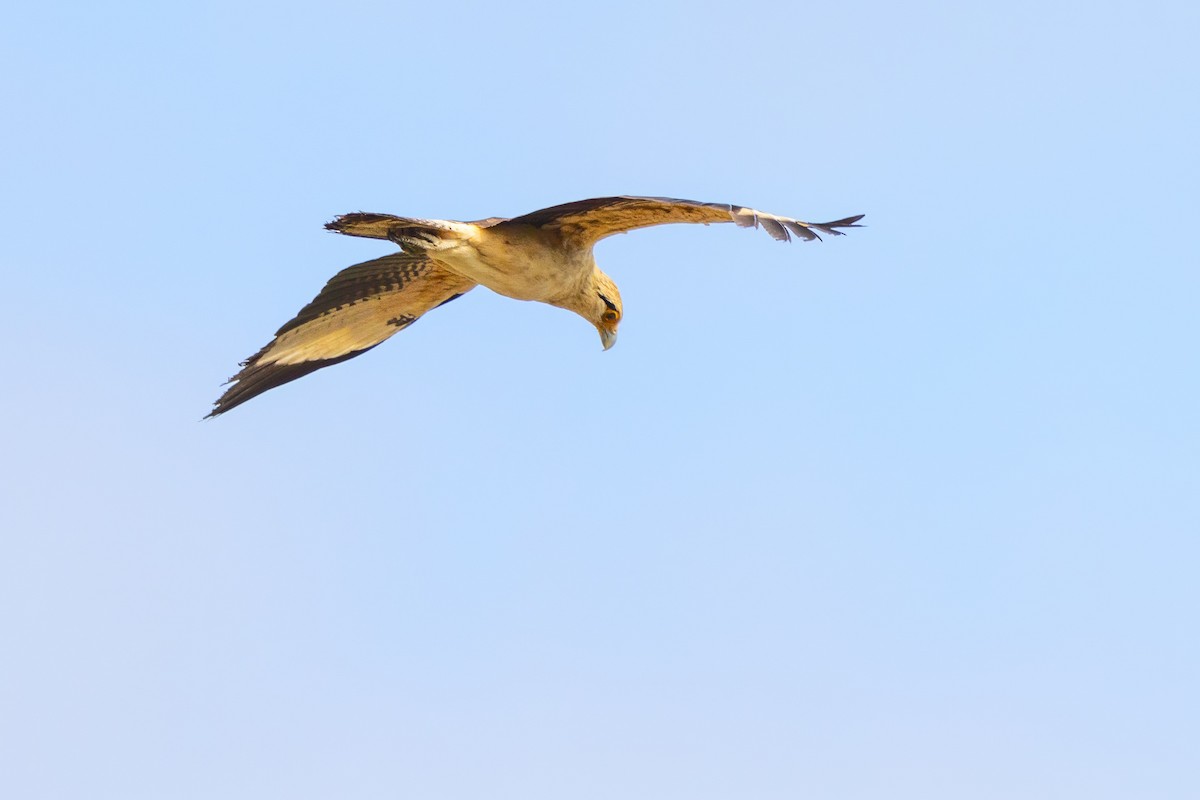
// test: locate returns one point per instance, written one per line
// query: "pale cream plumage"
(545, 255)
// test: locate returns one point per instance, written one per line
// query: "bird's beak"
(607, 337)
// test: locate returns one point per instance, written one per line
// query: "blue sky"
(908, 514)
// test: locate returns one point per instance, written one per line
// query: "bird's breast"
(519, 264)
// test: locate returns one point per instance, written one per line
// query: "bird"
(544, 256)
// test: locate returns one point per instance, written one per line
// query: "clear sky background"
(909, 514)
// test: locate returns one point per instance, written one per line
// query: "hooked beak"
(607, 337)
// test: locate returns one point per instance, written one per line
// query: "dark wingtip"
(257, 378)
(831, 228)
(343, 222)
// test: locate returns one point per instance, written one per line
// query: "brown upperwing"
(592, 220)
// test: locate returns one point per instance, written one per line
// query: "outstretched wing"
(359, 308)
(588, 221)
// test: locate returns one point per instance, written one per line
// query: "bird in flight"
(545, 255)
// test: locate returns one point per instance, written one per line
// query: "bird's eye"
(609, 316)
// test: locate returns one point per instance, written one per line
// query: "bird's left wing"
(588, 221)
(359, 308)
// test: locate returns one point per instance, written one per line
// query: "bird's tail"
(411, 234)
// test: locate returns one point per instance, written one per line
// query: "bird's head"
(605, 307)
(599, 302)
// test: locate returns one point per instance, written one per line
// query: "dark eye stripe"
(611, 306)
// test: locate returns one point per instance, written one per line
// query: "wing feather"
(588, 221)
(359, 307)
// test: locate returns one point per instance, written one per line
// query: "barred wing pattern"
(360, 307)
(588, 221)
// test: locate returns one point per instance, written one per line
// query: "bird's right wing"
(588, 221)
(359, 308)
